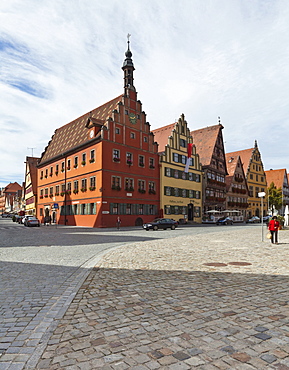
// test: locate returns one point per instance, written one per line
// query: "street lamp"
(262, 195)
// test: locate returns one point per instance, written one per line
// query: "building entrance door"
(190, 212)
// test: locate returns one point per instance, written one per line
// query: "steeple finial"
(128, 67)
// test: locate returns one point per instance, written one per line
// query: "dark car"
(161, 223)
(225, 221)
(32, 221)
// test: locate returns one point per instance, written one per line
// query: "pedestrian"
(118, 222)
(273, 226)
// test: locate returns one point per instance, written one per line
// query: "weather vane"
(128, 36)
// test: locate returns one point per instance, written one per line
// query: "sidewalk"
(219, 301)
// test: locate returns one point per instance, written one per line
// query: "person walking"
(118, 222)
(273, 227)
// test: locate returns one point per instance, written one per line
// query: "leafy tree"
(275, 197)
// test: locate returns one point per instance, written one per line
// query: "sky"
(204, 58)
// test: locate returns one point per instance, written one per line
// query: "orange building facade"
(103, 165)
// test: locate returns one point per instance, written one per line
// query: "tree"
(275, 197)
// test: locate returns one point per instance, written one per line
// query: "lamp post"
(262, 195)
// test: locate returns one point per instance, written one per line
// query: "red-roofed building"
(280, 180)
(11, 198)
(210, 147)
(181, 188)
(103, 165)
(237, 189)
(256, 179)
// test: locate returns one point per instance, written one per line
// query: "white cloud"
(201, 58)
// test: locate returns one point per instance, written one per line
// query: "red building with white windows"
(102, 165)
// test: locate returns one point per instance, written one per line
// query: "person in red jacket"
(274, 227)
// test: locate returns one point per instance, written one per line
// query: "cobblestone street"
(215, 301)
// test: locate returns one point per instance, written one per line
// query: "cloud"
(205, 59)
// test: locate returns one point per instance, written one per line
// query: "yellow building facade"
(180, 191)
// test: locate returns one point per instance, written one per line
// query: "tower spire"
(128, 69)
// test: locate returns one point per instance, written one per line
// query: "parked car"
(32, 221)
(25, 218)
(224, 221)
(161, 223)
(253, 220)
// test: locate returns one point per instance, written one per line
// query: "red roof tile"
(162, 135)
(205, 141)
(75, 133)
(276, 176)
(245, 155)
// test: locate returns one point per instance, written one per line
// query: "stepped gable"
(162, 134)
(205, 141)
(245, 155)
(75, 133)
(276, 176)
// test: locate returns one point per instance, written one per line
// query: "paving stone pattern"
(159, 305)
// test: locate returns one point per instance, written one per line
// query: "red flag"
(189, 149)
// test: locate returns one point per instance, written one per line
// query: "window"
(198, 178)
(145, 139)
(83, 185)
(251, 177)
(56, 169)
(68, 164)
(41, 175)
(83, 162)
(92, 208)
(152, 189)
(126, 111)
(168, 171)
(128, 209)
(114, 208)
(175, 157)
(117, 130)
(62, 166)
(141, 160)
(69, 187)
(62, 188)
(75, 162)
(152, 163)
(51, 191)
(141, 185)
(75, 186)
(183, 143)
(115, 182)
(57, 190)
(41, 193)
(46, 172)
(176, 191)
(92, 183)
(92, 156)
(129, 159)
(129, 184)
(132, 135)
(83, 209)
(41, 211)
(167, 190)
(140, 209)
(116, 155)
(51, 171)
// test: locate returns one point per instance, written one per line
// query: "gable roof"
(276, 176)
(162, 135)
(245, 155)
(12, 187)
(205, 141)
(32, 167)
(231, 161)
(75, 133)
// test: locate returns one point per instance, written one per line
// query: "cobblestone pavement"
(214, 301)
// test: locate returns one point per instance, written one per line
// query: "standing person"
(118, 222)
(273, 226)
